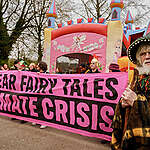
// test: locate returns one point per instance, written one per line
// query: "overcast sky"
(133, 11)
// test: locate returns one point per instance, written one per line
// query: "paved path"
(16, 136)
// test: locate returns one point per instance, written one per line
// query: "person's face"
(39, 69)
(145, 55)
(57, 70)
(31, 67)
(93, 65)
(5, 66)
(19, 66)
(82, 68)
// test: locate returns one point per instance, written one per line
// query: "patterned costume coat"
(131, 126)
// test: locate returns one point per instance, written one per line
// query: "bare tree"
(39, 22)
(65, 10)
(15, 17)
(93, 9)
(24, 21)
(101, 8)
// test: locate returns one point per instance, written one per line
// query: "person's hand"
(124, 103)
(128, 97)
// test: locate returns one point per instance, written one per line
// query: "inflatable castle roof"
(116, 3)
(52, 11)
(129, 18)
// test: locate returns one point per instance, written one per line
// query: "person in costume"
(93, 66)
(21, 65)
(131, 123)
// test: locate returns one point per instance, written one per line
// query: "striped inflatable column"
(114, 42)
(47, 47)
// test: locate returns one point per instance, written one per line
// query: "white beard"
(144, 70)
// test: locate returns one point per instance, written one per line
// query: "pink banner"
(79, 103)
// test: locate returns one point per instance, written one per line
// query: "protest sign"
(79, 103)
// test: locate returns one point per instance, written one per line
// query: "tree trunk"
(5, 46)
(39, 50)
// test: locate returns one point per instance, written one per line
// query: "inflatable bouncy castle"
(108, 41)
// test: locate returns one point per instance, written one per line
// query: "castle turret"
(51, 15)
(116, 6)
(129, 21)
